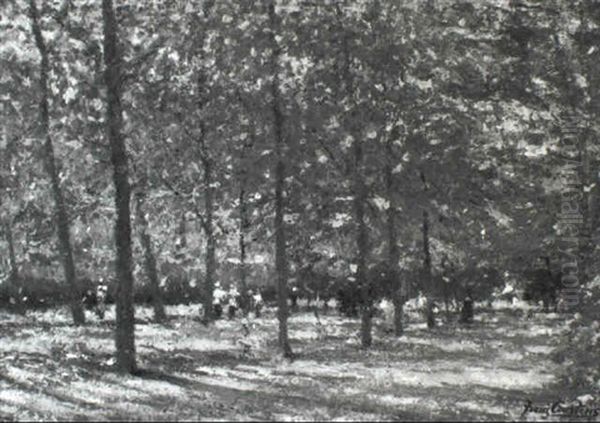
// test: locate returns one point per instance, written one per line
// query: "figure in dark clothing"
(294, 298)
(217, 310)
(543, 285)
(467, 313)
(430, 311)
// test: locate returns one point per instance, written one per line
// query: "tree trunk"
(210, 262)
(208, 164)
(62, 219)
(447, 281)
(125, 331)
(182, 236)
(393, 251)
(14, 277)
(149, 261)
(427, 279)
(362, 244)
(242, 246)
(447, 302)
(281, 265)
(359, 203)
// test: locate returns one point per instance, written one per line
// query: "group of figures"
(95, 299)
(232, 300)
(542, 285)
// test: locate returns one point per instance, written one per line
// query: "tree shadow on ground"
(402, 352)
(188, 360)
(262, 404)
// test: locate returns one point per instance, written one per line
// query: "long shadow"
(258, 400)
(37, 389)
(108, 411)
(511, 400)
(188, 360)
(403, 352)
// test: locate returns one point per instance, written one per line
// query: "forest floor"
(52, 370)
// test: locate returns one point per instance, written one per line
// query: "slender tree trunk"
(242, 246)
(12, 257)
(447, 302)
(182, 233)
(281, 264)
(427, 271)
(393, 251)
(359, 206)
(149, 261)
(208, 164)
(62, 219)
(210, 262)
(14, 277)
(447, 280)
(362, 244)
(125, 331)
(427, 276)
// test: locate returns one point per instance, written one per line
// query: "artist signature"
(571, 409)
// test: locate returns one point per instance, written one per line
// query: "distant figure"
(467, 309)
(543, 285)
(248, 303)
(101, 293)
(217, 310)
(258, 303)
(294, 298)
(90, 299)
(218, 301)
(232, 302)
(431, 308)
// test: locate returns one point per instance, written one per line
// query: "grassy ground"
(53, 371)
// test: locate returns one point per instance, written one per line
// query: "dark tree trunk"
(359, 206)
(62, 218)
(281, 265)
(210, 262)
(208, 164)
(12, 257)
(447, 301)
(182, 233)
(14, 277)
(125, 331)
(447, 282)
(362, 244)
(243, 208)
(242, 246)
(149, 261)
(427, 279)
(393, 251)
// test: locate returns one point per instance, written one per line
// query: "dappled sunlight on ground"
(52, 370)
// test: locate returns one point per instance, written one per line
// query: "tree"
(399, 294)
(125, 330)
(281, 265)
(149, 260)
(62, 219)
